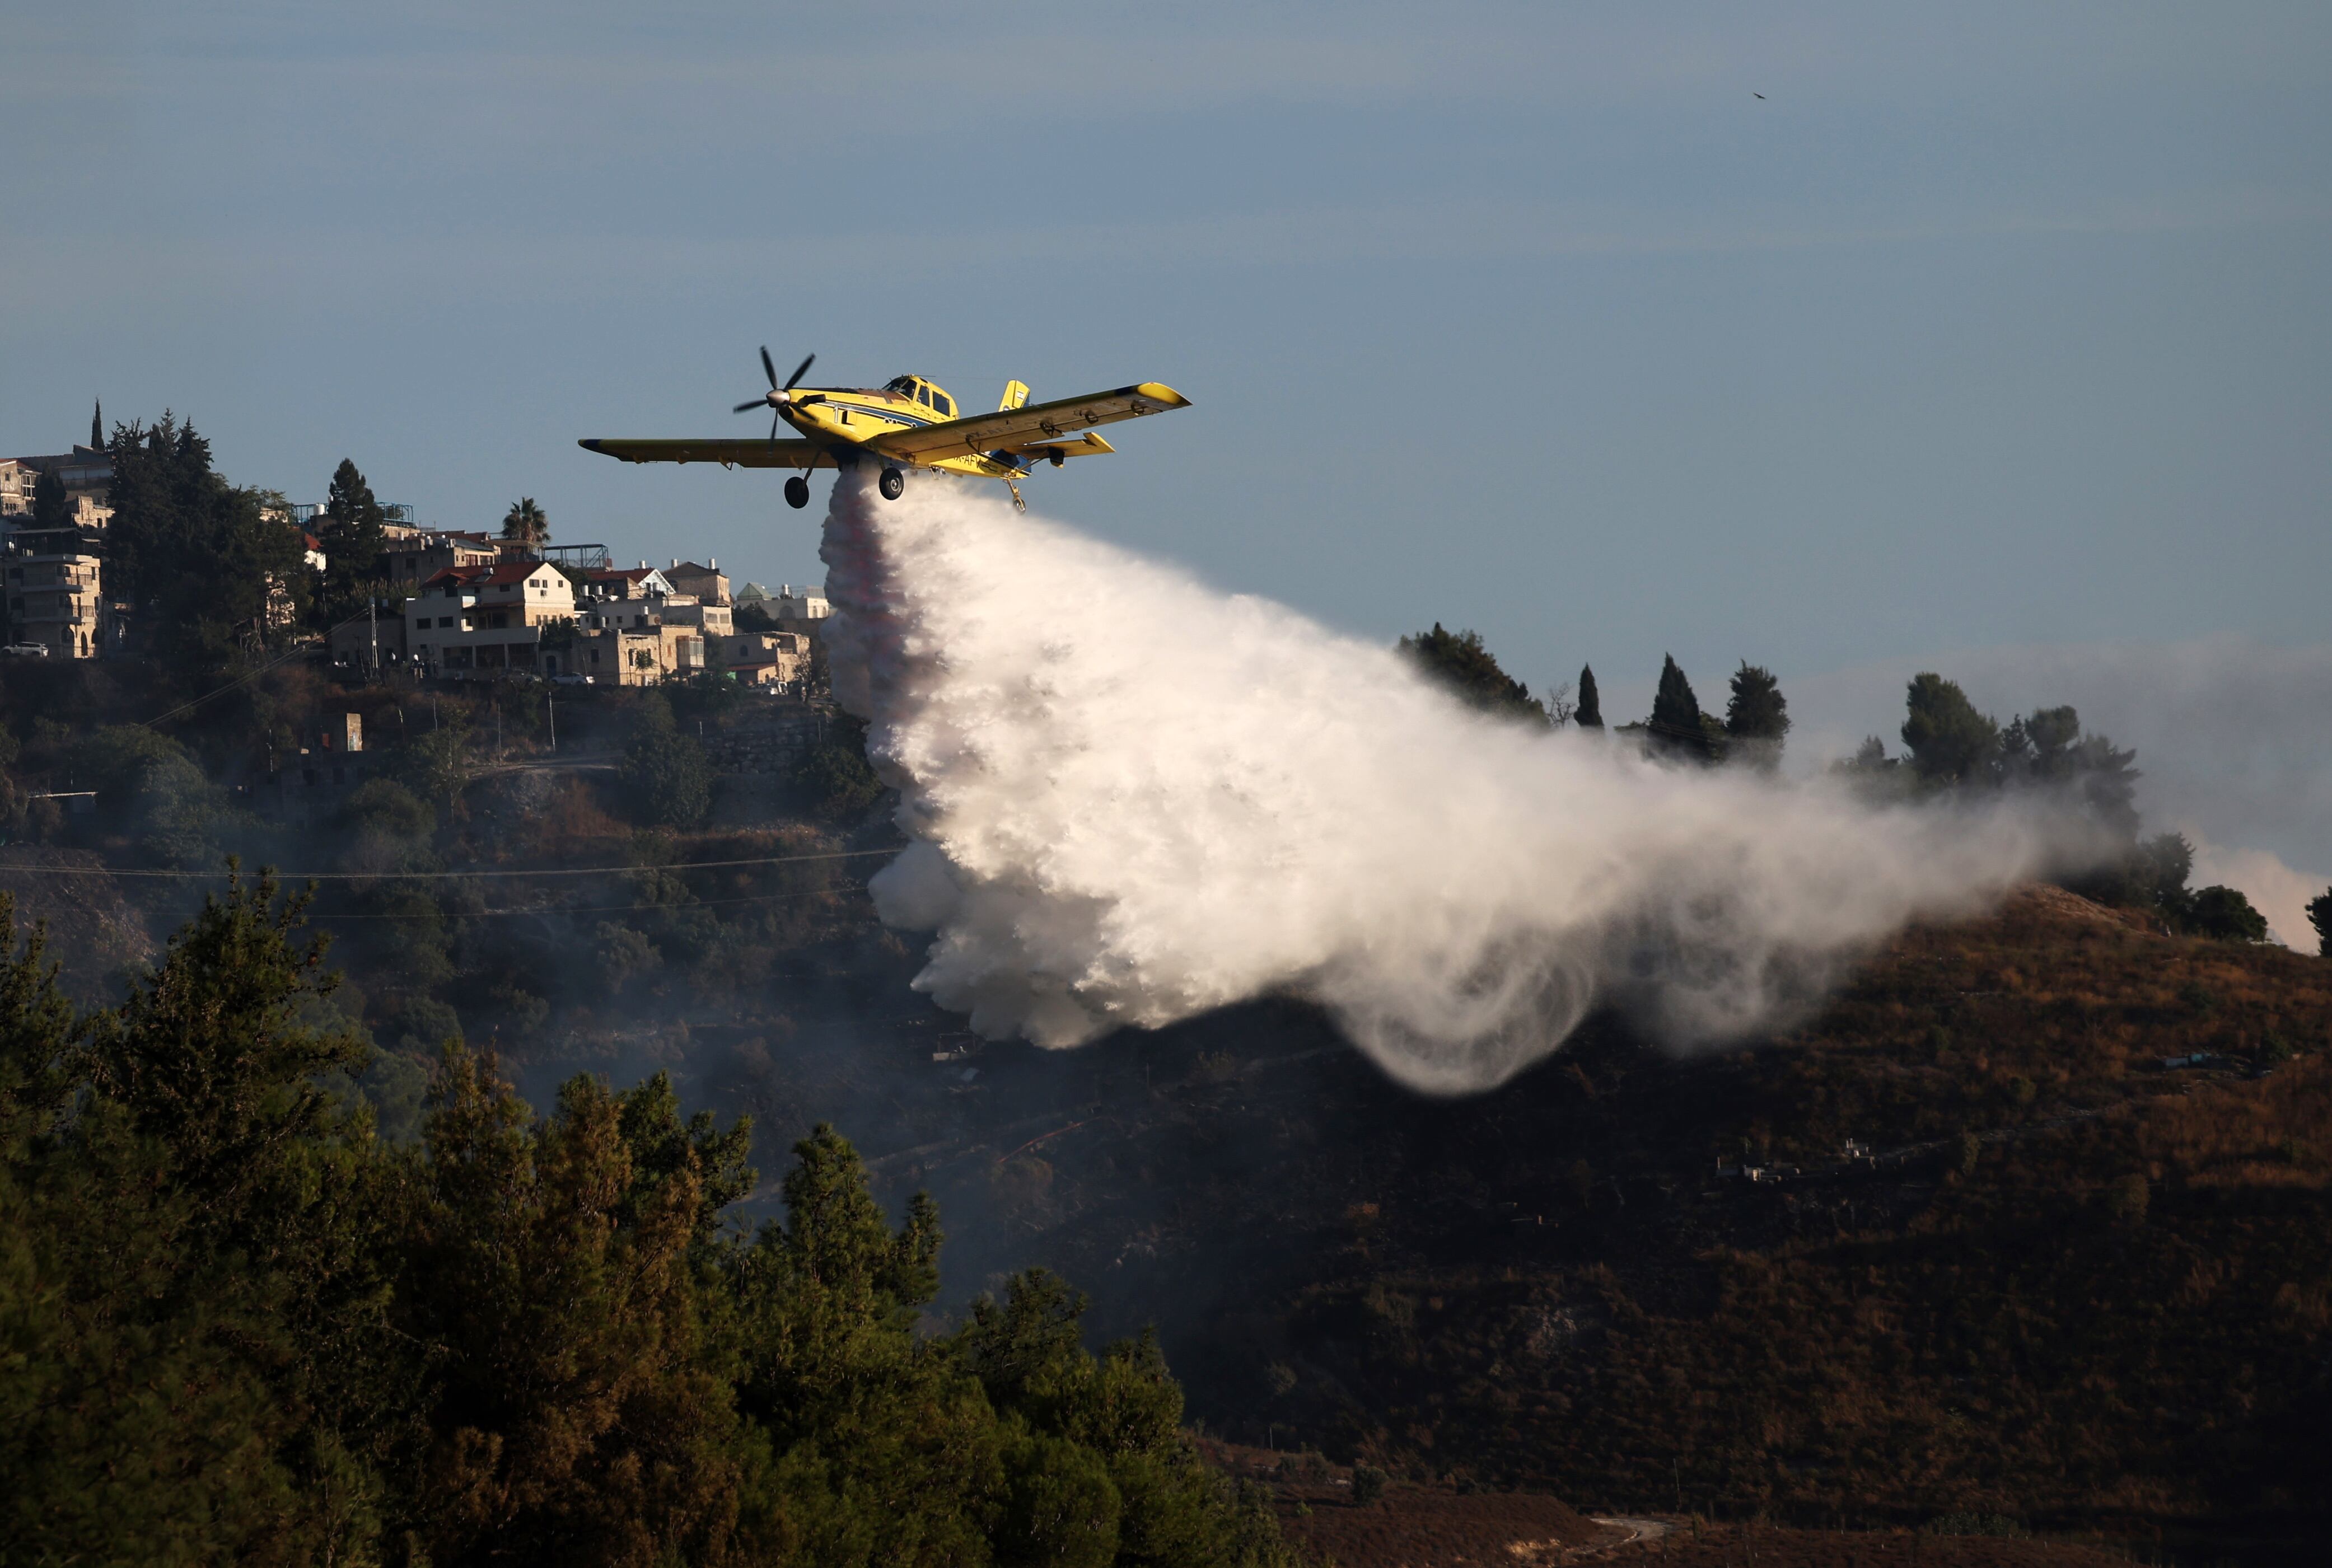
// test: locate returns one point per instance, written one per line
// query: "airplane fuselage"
(855, 415)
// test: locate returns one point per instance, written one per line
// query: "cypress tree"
(1590, 704)
(1676, 712)
(2320, 916)
(97, 424)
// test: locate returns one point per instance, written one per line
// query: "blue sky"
(1988, 326)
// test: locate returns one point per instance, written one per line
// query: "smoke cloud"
(1133, 798)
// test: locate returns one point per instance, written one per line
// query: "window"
(445, 620)
(942, 403)
(500, 619)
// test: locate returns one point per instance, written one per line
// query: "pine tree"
(1946, 740)
(1757, 716)
(353, 534)
(212, 576)
(2320, 916)
(1461, 662)
(1590, 715)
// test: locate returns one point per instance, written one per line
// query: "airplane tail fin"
(1016, 392)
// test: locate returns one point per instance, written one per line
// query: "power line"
(316, 918)
(319, 918)
(8, 869)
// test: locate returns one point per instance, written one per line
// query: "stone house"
(481, 619)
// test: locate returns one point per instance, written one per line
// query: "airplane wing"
(1059, 451)
(745, 454)
(1036, 421)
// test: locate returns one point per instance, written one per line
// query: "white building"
(482, 619)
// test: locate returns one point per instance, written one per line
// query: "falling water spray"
(1132, 797)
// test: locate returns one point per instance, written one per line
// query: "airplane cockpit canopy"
(922, 392)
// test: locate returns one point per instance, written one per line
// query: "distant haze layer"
(1133, 798)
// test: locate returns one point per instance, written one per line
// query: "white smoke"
(1133, 799)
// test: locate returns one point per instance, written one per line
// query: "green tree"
(387, 808)
(2046, 748)
(191, 1289)
(525, 523)
(2223, 913)
(2320, 916)
(1676, 724)
(214, 575)
(352, 533)
(574, 1415)
(665, 777)
(51, 506)
(155, 790)
(436, 764)
(1590, 715)
(1757, 716)
(1460, 661)
(833, 780)
(1946, 741)
(238, 1327)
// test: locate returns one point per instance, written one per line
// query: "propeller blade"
(767, 366)
(748, 407)
(774, 417)
(801, 370)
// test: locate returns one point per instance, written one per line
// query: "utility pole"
(372, 613)
(550, 702)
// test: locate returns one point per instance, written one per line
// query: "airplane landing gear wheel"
(892, 484)
(798, 493)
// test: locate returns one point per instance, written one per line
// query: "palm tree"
(524, 522)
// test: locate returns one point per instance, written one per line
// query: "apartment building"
(640, 582)
(54, 599)
(707, 584)
(422, 553)
(483, 620)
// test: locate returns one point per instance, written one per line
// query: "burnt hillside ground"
(2051, 1280)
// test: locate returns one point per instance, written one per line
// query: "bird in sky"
(1758, 95)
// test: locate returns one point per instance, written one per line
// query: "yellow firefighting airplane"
(908, 422)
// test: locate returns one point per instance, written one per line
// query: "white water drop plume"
(1133, 799)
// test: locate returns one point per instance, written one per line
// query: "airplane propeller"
(776, 394)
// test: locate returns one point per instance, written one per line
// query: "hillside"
(2065, 1284)
(1995, 1258)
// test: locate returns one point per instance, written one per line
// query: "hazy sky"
(1988, 326)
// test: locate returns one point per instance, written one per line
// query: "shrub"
(2127, 1198)
(1368, 1484)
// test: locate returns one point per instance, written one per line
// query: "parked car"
(570, 679)
(26, 651)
